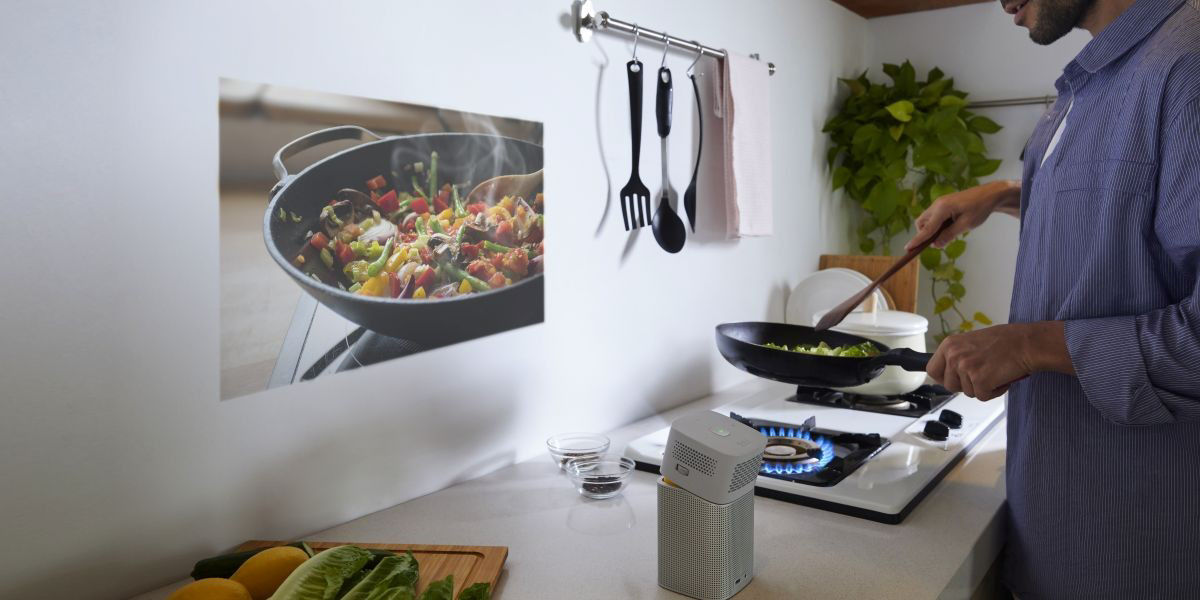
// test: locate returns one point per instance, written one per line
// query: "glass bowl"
(599, 478)
(565, 447)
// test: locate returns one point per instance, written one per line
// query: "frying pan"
(461, 157)
(741, 345)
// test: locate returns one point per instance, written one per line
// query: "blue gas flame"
(791, 468)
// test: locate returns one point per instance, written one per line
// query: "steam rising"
(467, 160)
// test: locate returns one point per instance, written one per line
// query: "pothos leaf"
(983, 124)
(896, 131)
(985, 168)
(902, 111)
(931, 258)
(957, 290)
(966, 326)
(840, 176)
(982, 319)
(867, 245)
(943, 304)
(956, 248)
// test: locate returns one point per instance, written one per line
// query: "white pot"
(894, 329)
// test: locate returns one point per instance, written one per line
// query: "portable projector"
(706, 506)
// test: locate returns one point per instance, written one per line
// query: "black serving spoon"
(668, 227)
(689, 196)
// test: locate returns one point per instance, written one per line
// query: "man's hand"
(983, 363)
(968, 208)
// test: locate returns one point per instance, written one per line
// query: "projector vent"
(745, 473)
(694, 459)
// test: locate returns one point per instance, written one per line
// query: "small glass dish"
(565, 447)
(599, 478)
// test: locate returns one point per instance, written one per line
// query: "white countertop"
(564, 546)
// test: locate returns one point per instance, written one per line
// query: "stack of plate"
(826, 289)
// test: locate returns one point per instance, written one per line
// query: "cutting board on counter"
(469, 564)
(901, 288)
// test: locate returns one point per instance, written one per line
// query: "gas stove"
(913, 404)
(858, 462)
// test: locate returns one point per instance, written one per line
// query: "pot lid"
(883, 322)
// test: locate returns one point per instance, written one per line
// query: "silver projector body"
(706, 506)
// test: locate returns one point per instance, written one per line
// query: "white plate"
(824, 290)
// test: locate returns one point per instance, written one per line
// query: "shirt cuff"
(1107, 356)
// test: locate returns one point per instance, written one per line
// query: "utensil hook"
(699, 54)
(666, 49)
(637, 32)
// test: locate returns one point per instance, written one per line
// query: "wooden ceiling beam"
(882, 8)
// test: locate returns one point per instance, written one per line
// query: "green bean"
(459, 210)
(432, 175)
(355, 288)
(327, 258)
(436, 224)
(459, 274)
(377, 267)
(494, 247)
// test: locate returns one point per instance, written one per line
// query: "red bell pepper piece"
(419, 206)
(441, 202)
(476, 207)
(319, 241)
(396, 285)
(343, 252)
(424, 279)
(376, 182)
(388, 202)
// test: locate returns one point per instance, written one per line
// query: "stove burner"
(811, 456)
(790, 450)
(924, 399)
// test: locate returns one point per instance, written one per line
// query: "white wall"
(120, 466)
(991, 58)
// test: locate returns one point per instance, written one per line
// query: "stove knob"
(952, 419)
(936, 431)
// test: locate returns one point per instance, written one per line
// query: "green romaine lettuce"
(388, 579)
(439, 590)
(479, 591)
(321, 577)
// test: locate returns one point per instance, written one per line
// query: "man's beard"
(1056, 18)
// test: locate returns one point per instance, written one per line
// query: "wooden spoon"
(492, 190)
(839, 312)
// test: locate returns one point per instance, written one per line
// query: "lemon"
(213, 588)
(263, 572)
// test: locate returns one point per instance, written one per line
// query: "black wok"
(741, 345)
(461, 157)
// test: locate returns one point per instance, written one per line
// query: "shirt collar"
(1133, 26)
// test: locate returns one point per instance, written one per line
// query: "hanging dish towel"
(748, 198)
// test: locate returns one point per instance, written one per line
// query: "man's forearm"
(1008, 197)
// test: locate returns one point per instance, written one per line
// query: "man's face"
(1047, 20)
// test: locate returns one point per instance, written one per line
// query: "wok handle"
(905, 358)
(316, 138)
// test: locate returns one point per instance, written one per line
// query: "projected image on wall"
(357, 231)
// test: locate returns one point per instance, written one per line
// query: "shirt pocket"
(1105, 178)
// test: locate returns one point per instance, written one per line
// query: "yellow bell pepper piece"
(420, 293)
(464, 287)
(507, 203)
(396, 260)
(376, 286)
(446, 214)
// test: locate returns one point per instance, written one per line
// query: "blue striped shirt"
(1104, 468)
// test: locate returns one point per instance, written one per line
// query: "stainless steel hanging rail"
(588, 20)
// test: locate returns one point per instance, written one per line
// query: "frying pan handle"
(316, 138)
(905, 358)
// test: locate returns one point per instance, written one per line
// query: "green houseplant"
(894, 149)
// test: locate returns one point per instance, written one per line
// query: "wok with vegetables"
(804, 356)
(383, 234)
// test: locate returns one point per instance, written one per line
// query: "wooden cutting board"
(469, 564)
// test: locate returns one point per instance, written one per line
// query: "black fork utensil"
(635, 197)
(668, 228)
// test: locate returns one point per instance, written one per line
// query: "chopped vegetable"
(319, 241)
(427, 244)
(377, 266)
(862, 350)
(394, 575)
(296, 218)
(478, 591)
(389, 202)
(282, 215)
(376, 183)
(439, 590)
